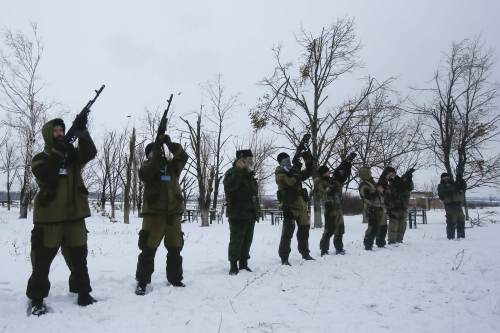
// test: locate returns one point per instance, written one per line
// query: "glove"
(82, 134)
(351, 157)
(81, 120)
(306, 155)
(167, 140)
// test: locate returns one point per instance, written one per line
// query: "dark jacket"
(61, 197)
(452, 192)
(290, 191)
(397, 193)
(242, 196)
(162, 192)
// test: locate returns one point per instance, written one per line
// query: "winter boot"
(233, 270)
(324, 252)
(340, 251)
(307, 256)
(244, 265)
(85, 299)
(140, 290)
(285, 262)
(38, 307)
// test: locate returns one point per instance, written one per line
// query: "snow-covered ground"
(429, 284)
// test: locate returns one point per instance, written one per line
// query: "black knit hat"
(148, 148)
(322, 170)
(445, 174)
(243, 153)
(58, 122)
(282, 156)
(389, 169)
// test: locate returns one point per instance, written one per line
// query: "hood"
(47, 133)
(365, 174)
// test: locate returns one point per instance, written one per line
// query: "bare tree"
(462, 118)
(128, 178)
(9, 166)
(26, 113)
(295, 99)
(221, 108)
(263, 149)
(118, 162)
(204, 172)
(383, 134)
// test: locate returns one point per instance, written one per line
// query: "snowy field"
(429, 284)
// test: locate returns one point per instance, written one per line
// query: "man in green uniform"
(396, 198)
(293, 199)
(373, 208)
(451, 193)
(162, 212)
(242, 209)
(329, 189)
(60, 207)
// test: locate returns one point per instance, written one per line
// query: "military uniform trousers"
(156, 228)
(46, 239)
(377, 227)
(240, 238)
(397, 225)
(290, 217)
(455, 220)
(334, 226)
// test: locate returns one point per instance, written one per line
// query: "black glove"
(81, 121)
(351, 157)
(82, 134)
(167, 140)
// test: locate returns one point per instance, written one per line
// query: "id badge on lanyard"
(164, 177)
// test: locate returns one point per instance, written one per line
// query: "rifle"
(301, 148)
(163, 123)
(81, 119)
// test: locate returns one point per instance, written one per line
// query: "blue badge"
(165, 178)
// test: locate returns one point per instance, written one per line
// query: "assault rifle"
(163, 123)
(81, 120)
(301, 148)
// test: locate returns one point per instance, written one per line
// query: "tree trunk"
(23, 200)
(126, 198)
(204, 212)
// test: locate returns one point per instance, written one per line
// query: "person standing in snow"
(162, 212)
(59, 211)
(373, 208)
(293, 199)
(397, 192)
(451, 193)
(242, 209)
(329, 190)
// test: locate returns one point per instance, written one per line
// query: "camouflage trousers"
(455, 220)
(334, 226)
(397, 225)
(290, 218)
(46, 239)
(377, 227)
(240, 239)
(156, 228)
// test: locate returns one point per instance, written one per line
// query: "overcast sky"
(144, 50)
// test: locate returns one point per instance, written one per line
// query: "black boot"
(285, 262)
(174, 267)
(324, 252)
(38, 307)
(233, 270)
(307, 256)
(244, 265)
(85, 299)
(140, 290)
(340, 251)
